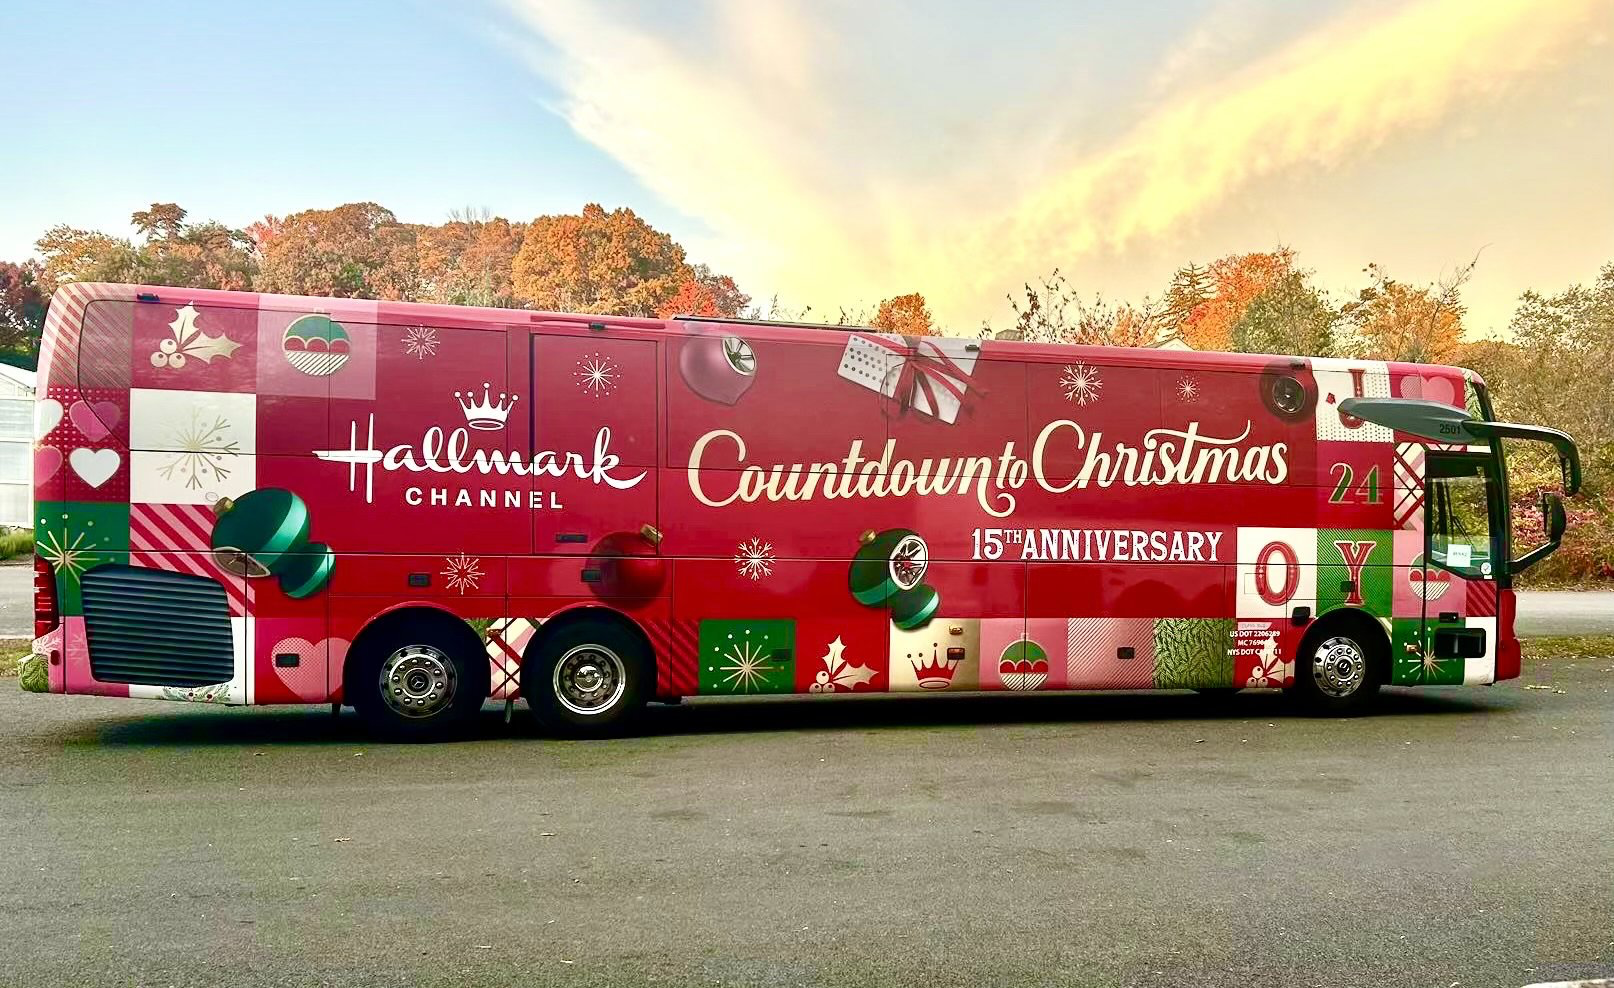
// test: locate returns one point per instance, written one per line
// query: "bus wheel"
(420, 681)
(1339, 670)
(588, 679)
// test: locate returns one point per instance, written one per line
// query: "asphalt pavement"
(1457, 837)
(1564, 612)
(16, 599)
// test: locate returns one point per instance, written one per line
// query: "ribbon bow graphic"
(925, 367)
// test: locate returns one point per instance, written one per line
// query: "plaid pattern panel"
(507, 640)
(675, 643)
(175, 537)
(1093, 653)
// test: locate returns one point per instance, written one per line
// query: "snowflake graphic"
(1080, 383)
(203, 450)
(421, 342)
(596, 375)
(1187, 390)
(70, 557)
(838, 673)
(755, 558)
(1428, 667)
(747, 666)
(463, 572)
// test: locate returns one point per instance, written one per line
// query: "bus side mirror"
(1553, 522)
(1552, 516)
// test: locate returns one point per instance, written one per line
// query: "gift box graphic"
(929, 374)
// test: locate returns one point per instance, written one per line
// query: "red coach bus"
(409, 509)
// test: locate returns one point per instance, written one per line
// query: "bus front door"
(1462, 562)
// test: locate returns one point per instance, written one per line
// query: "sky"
(836, 152)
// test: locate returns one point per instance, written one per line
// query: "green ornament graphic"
(265, 533)
(887, 564)
(307, 570)
(1023, 665)
(316, 345)
(911, 609)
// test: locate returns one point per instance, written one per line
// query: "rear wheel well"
(428, 622)
(1368, 630)
(577, 615)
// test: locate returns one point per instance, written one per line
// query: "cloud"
(772, 124)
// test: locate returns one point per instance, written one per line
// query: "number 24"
(1367, 492)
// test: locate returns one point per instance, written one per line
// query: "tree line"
(1555, 366)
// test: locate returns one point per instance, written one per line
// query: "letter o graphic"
(1291, 573)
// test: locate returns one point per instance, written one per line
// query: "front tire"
(420, 681)
(1340, 670)
(589, 679)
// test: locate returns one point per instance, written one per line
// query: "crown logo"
(486, 415)
(937, 674)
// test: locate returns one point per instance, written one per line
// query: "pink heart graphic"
(47, 460)
(96, 420)
(308, 679)
(1439, 389)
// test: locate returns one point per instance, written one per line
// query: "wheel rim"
(418, 681)
(1339, 667)
(589, 679)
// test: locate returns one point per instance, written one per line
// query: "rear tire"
(1340, 668)
(589, 679)
(419, 681)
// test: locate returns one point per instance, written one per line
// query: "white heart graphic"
(95, 466)
(47, 416)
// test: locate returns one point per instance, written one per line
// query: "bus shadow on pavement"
(280, 726)
(874, 712)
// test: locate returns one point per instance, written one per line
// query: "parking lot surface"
(1456, 837)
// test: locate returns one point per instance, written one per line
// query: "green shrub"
(17, 542)
(1587, 552)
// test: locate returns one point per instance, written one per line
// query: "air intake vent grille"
(157, 628)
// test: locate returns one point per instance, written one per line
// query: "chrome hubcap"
(1339, 667)
(589, 679)
(417, 681)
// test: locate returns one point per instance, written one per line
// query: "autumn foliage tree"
(1053, 311)
(1223, 293)
(359, 250)
(22, 311)
(468, 261)
(167, 251)
(1289, 316)
(1393, 320)
(905, 315)
(705, 293)
(598, 261)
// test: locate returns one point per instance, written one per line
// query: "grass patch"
(1591, 647)
(11, 661)
(17, 542)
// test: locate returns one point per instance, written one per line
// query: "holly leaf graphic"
(193, 341)
(204, 347)
(842, 673)
(849, 676)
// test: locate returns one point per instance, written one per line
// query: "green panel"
(75, 536)
(1193, 652)
(1377, 580)
(747, 657)
(1420, 668)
